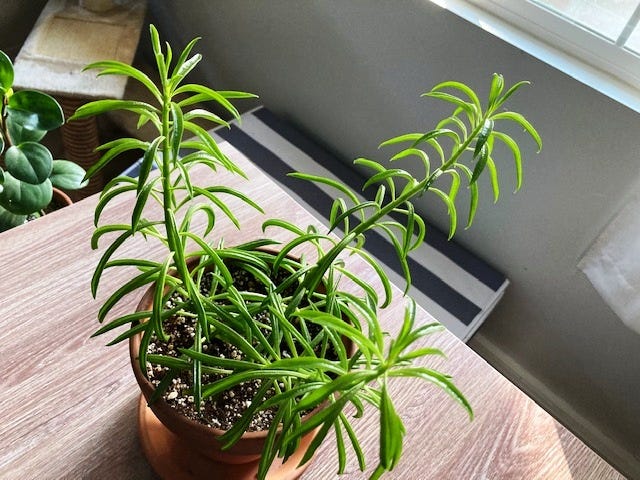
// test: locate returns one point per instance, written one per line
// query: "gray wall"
(351, 73)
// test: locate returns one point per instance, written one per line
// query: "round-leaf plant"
(297, 355)
(28, 171)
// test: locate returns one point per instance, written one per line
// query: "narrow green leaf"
(451, 209)
(436, 378)
(236, 94)
(339, 326)
(108, 195)
(473, 193)
(329, 420)
(523, 122)
(421, 352)
(111, 67)
(386, 283)
(184, 69)
(480, 164)
(209, 94)
(184, 54)
(148, 160)
(461, 87)
(269, 450)
(510, 92)
(327, 181)
(102, 106)
(138, 208)
(131, 318)
(493, 175)
(388, 175)
(422, 155)
(200, 113)
(417, 139)
(114, 149)
(470, 109)
(391, 432)
(483, 136)
(177, 130)
(455, 183)
(360, 282)
(354, 441)
(158, 300)
(128, 287)
(517, 157)
(359, 208)
(497, 85)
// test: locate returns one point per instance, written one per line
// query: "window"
(595, 41)
(614, 20)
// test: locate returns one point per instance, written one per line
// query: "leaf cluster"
(322, 348)
(28, 171)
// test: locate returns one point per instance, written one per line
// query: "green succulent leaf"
(29, 162)
(67, 175)
(102, 106)
(517, 156)
(209, 95)
(110, 67)
(461, 87)
(35, 110)
(23, 198)
(391, 432)
(6, 73)
(114, 149)
(10, 220)
(497, 85)
(523, 122)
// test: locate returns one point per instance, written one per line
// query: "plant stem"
(174, 239)
(312, 280)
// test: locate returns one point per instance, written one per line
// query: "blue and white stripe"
(452, 284)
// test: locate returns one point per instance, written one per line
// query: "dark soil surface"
(221, 412)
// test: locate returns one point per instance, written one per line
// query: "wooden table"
(68, 403)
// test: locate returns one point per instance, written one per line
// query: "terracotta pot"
(180, 448)
(61, 198)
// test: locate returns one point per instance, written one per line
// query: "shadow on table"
(577, 465)
(123, 458)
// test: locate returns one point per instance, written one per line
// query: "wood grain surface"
(68, 402)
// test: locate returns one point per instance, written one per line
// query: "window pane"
(606, 17)
(633, 43)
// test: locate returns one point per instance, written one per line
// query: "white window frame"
(588, 57)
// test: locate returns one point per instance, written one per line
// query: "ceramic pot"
(180, 448)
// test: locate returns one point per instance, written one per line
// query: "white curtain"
(612, 264)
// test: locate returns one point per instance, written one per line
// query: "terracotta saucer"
(172, 460)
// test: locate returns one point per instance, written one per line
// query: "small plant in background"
(287, 330)
(28, 171)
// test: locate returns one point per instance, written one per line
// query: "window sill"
(591, 76)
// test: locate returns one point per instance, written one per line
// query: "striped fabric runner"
(452, 284)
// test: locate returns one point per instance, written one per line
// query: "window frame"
(577, 51)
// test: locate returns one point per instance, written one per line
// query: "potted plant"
(31, 176)
(256, 321)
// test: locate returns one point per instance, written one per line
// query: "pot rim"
(62, 196)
